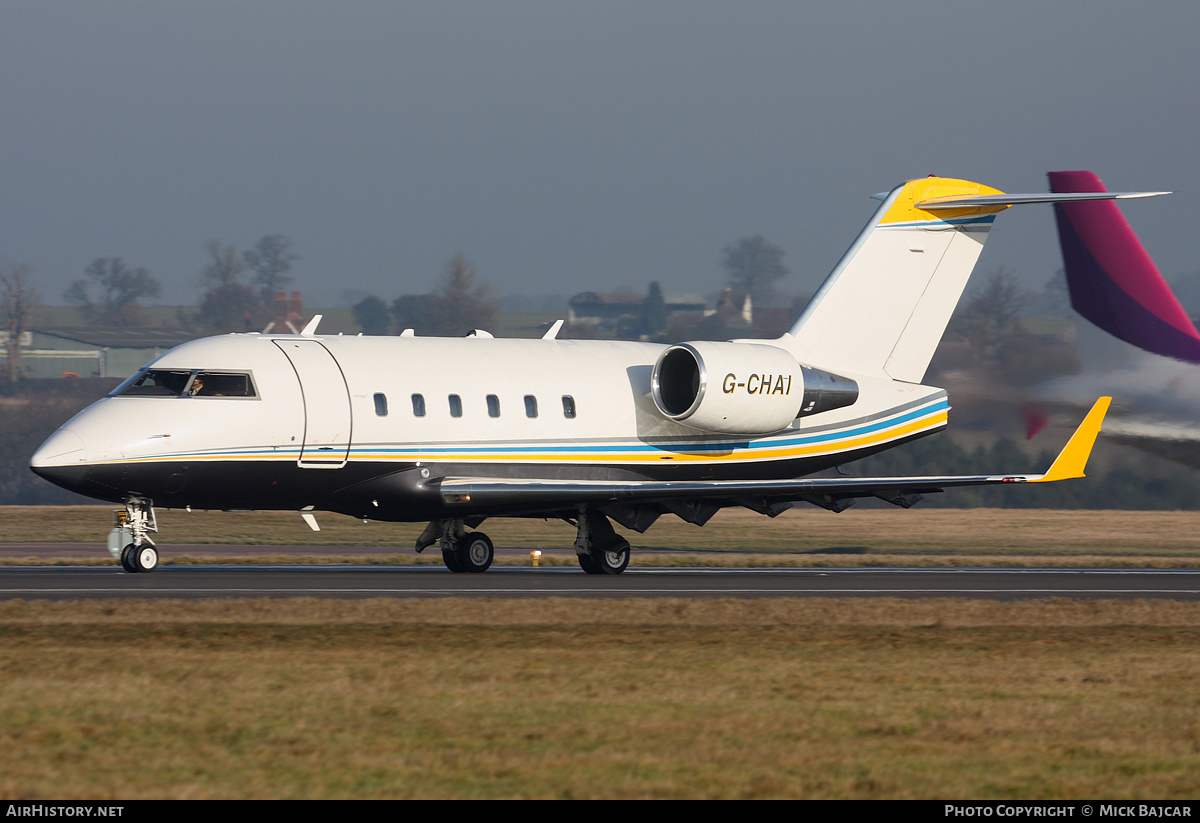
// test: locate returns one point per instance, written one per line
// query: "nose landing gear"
(129, 540)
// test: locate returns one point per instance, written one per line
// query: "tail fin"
(1112, 280)
(884, 307)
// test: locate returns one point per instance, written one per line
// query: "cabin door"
(326, 404)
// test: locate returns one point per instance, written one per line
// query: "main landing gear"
(129, 540)
(462, 551)
(599, 548)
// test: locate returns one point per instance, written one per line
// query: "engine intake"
(742, 388)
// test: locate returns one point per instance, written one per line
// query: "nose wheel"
(137, 559)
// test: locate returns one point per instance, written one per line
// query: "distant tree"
(372, 315)
(413, 311)
(271, 260)
(460, 303)
(18, 298)
(991, 319)
(225, 265)
(1055, 298)
(110, 293)
(227, 304)
(752, 264)
(654, 312)
(231, 307)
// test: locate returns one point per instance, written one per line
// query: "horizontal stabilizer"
(988, 200)
(530, 495)
(1113, 282)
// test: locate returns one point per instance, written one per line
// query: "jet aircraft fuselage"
(454, 431)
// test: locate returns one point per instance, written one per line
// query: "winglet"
(1074, 456)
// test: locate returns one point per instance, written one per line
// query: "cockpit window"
(172, 383)
(221, 384)
(156, 383)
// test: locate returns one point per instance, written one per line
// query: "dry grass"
(605, 699)
(573, 698)
(807, 536)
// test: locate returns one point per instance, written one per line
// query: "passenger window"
(455, 406)
(530, 406)
(381, 405)
(493, 403)
(418, 405)
(568, 406)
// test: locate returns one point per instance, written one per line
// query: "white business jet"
(454, 431)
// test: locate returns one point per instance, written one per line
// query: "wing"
(696, 500)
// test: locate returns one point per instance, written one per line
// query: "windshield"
(177, 383)
(155, 383)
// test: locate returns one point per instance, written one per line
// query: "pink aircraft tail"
(1112, 280)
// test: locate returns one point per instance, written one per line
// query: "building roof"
(608, 298)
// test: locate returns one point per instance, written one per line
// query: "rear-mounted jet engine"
(742, 388)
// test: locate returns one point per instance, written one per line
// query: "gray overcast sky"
(565, 146)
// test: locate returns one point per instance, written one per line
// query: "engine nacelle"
(742, 388)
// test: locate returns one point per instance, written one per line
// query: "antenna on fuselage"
(310, 330)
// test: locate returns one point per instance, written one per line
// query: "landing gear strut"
(599, 548)
(129, 539)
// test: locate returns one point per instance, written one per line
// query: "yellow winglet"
(1074, 456)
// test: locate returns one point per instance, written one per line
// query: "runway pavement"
(346, 581)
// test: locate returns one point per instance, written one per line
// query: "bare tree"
(460, 304)
(227, 304)
(991, 319)
(18, 297)
(271, 260)
(225, 265)
(752, 264)
(117, 289)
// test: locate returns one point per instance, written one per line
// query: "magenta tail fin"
(1112, 280)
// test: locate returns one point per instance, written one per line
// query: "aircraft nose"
(62, 459)
(63, 448)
